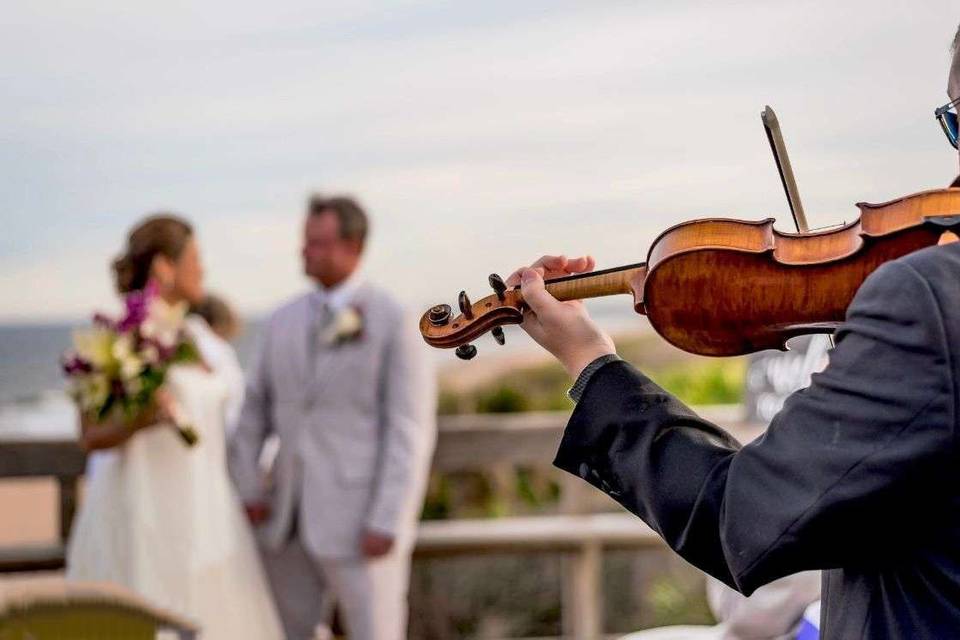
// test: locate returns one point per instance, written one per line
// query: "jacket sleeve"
(254, 425)
(833, 482)
(407, 429)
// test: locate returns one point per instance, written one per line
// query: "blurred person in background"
(225, 326)
(220, 316)
(775, 611)
(342, 381)
(158, 517)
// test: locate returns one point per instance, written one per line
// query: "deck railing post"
(68, 505)
(582, 593)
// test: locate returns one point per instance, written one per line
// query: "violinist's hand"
(562, 328)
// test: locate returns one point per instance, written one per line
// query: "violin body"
(721, 287)
(726, 287)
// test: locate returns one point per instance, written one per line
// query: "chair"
(52, 608)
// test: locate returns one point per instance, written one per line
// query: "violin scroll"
(440, 329)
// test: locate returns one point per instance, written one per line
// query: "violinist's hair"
(956, 41)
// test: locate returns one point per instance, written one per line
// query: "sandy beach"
(30, 511)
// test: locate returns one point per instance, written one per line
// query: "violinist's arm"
(838, 477)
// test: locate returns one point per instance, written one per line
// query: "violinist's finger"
(551, 263)
(534, 294)
(514, 279)
(573, 266)
(580, 265)
(548, 266)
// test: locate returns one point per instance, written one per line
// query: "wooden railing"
(494, 444)
(60, 459)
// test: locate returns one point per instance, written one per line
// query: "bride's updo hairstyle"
(162, 234)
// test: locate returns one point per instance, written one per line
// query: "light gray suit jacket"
(356, 437)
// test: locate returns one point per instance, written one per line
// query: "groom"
(342, 381)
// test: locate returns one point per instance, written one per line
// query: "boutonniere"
(347, 326)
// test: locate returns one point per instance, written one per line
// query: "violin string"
(587, 274)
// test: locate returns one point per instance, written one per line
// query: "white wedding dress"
(163, 520)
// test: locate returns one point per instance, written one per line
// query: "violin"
(724, 287)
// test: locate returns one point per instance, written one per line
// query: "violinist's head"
(953, 82)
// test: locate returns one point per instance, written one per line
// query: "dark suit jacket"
(857, 475)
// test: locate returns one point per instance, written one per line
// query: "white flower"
(347, 325)
(130, 364)
(131, 368)
(95, 346)
(164, 321)
(150, 354)
(91, 391)
(132, 386)
(122, 346)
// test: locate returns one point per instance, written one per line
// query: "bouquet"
(116, 367)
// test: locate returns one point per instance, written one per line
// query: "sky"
(479, 136)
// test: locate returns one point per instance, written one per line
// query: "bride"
(159, 517)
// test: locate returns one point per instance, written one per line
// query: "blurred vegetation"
(707, 382)
(543, 387)
(469, 494)
(519, 596)
(672, 601)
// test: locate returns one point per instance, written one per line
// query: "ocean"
(32, 398)
(33, 402)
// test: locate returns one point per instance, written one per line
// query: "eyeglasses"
(948, 121)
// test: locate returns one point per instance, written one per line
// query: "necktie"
(323, 317)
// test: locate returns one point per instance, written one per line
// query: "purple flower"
(117, 390)
(74, 365)
(138, 307)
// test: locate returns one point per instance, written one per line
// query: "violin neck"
(595, 284)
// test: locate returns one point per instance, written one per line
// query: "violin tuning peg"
(498, 335)
(466, 351)
(439, 315)
(464, 302)
(499, 286)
